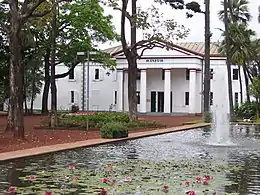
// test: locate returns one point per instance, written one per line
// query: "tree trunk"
(132, 98)
(53, 119)
(17, 67)
(46, 88)
(10, 117)
(33, 91)
(131, 56)
(207, 72)
(25, 106)
(24, 96)
(246, 84)
(240, 84)
(230, 91)
(132, 68)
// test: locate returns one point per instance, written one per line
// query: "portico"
(170, 78)
(162, 90)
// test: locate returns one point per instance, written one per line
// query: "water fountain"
(220, 127)
(220, 114)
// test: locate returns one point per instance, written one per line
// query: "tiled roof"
(113, 50)
(197, 48)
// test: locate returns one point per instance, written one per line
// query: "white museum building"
(170, 80)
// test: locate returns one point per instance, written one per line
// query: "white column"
(120, 90)
(192, 92)
(167, 91)
(143, 88)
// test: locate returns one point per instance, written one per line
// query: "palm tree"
(238, 12)
(241, 49)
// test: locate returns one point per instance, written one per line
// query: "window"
(138, 97)
(138, 75)
(211, 98)
(235, 74)
(115, 100)
(71, 75)
(187, 97)
(187, 74)
(236, 98)
(211, 73)
(163, 74)
(96, 74)
(72, 97)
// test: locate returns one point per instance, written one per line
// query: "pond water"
(154, 165)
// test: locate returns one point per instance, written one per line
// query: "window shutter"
(114, 75)
(94, 74)
(69, 95)
(101, 74)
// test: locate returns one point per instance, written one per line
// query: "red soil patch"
(39, 137)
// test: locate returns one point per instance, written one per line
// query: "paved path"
(91, 142)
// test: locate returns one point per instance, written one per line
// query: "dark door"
(153, 101)
(171, 101)
(160, 102)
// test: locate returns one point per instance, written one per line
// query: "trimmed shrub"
(143, 124)
(114, 130)
(208, 117)
(96, 120)
(74, 108)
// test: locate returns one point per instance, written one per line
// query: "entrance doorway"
(157, 101)
(160, 100)
(171, 101)
(153, 101)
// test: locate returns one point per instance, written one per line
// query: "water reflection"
(245, 156)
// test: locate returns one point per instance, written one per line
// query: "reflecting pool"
(175, 163)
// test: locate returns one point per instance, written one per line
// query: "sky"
(195, 24)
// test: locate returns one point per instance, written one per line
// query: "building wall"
(104, 91)
(179, 85)
(101, 90)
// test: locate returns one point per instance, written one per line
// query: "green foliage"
(143, 124)
(74, 108)
(95, 120)
(208, 117)
(191, 7)
(240, 43)
(81, 25)
(254, 88)
(246, 110)
(240, 12)
(114, 130)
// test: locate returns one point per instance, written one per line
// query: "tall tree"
(238, 12)
(18, 14)
(228, 60)
(139, 19)
(241, 49)
(207, 73)
(80, 25)
(53, 44)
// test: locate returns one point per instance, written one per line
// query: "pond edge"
(6, 156)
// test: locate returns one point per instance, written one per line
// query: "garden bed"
(45, 137)
(111, 123)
